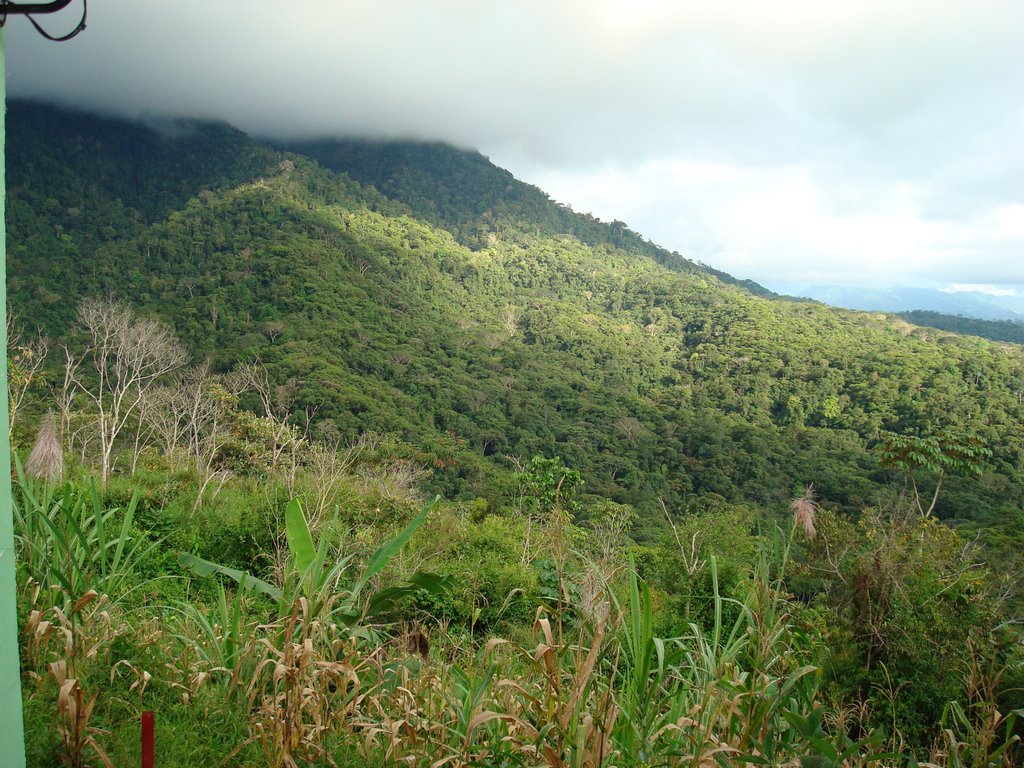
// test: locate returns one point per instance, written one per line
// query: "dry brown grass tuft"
(46, 462)
(805, 510)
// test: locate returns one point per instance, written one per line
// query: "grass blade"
(202, 567)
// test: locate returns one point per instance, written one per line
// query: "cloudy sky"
(870, 142)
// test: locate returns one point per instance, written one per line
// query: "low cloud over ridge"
(869, 142)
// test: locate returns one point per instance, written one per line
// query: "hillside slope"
(467, 195)
(995, 330)
(475, 336)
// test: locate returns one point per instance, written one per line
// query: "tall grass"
(69, 543)
(76, 564)
(308, 664)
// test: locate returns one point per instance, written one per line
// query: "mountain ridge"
(974, 304)
(465, 193)
(660, 385)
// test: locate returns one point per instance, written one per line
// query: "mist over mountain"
(772, 141)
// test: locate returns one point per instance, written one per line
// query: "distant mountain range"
(983, 306)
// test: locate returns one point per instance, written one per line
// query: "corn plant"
(63, 640)
(74, 710)
(649, 677)
(988, 741)
(223, 642)
(442, 716)
(562, 716)
(68, 543)
(300, 691)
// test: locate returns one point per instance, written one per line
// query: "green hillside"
(655, 383)
(465, 194)
(995, 330)
(628, 567)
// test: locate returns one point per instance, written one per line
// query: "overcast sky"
(869, 142)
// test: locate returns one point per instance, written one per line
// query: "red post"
(147, 739)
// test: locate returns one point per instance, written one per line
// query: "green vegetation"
(269, 368)
(652, 383)
(996, 330)
(709, 657)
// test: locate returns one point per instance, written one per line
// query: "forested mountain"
(465, 194)
(629, 567)
(995, 330)
(150, 169)
(506, 327)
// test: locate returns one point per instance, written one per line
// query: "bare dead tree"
(273, 330)
(328, 464)
(609, 534)
(128, 354)
(510, 320)
(141, 440)
(202, 399)
(396, 480)
(188, 417)
(631, 428)
(276, 402)
(24, 359)
(159, 409)
(82, 435)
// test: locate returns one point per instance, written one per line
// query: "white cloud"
(992, 290)
(784, 224)
(848, 141)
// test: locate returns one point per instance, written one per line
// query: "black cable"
(22, 8)
(8, 7)
(69, 35)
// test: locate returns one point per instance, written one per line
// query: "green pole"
(12, 730)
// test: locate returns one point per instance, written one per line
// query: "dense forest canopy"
(996, 330)
(475, 313)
